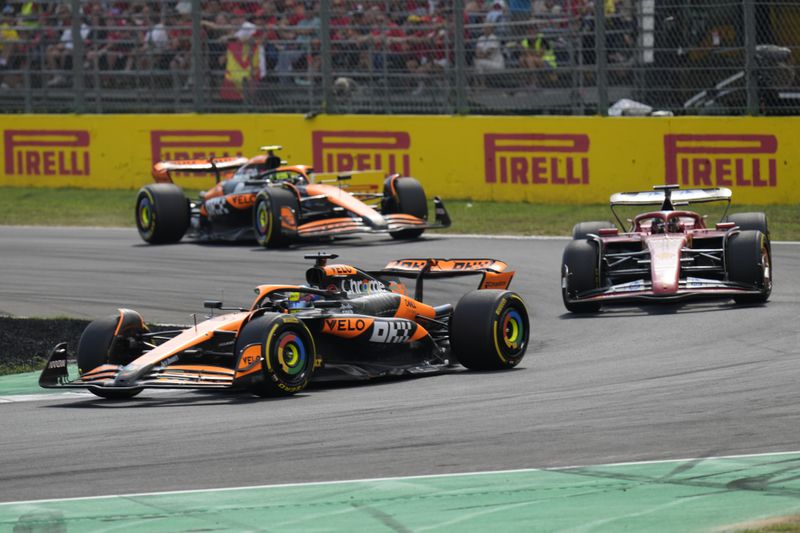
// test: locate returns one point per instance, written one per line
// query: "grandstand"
(572, 57)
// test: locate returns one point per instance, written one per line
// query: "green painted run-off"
(689, 495)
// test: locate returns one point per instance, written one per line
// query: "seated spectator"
(10, 58)
(154, 48)
(180, 42)
(59, 56)
(537, 55)
(498, 17)
(488, 54)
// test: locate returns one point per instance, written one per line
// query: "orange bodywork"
(344, 199)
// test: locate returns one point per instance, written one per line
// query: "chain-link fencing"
(571, 57)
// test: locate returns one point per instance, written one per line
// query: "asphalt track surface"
(631, 383)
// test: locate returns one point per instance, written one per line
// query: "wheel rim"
(513, 330)
(292, 354)
(146, 215)
(767, 270)
(263, 221)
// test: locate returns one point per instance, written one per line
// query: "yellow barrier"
(537, 159)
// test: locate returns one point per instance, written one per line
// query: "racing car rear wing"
(668, 196)
(162, 169)
(494, 274)
(672, 193)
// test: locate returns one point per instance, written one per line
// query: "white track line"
(395, 478)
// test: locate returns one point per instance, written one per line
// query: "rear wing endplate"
(162, 169)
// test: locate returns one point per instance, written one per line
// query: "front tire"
(162, 213)
(749, 261)
(275, 217)
(287, 351)
(407, 196)
(579, 273)
(111, 340)
(489, 330)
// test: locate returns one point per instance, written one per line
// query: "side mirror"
(212, 304)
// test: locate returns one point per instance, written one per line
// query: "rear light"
(605, 232)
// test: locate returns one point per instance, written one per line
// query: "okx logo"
(47, 152)
(195, 144)
(536, 158)
(721, 160)
(343, 151)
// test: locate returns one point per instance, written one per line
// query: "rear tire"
(489, 330)
(579, 272)
(408, 198)
(162, 213)
(581, 230)
(750, 221)
(749, 261)
(100, 345)
(288, 352)
(275, 217)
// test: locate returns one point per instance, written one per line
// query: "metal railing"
(571, 57)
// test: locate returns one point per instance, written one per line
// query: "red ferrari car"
(667, 255)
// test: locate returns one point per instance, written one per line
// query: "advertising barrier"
(533, 159)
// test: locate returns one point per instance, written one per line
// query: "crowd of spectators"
(247, 43)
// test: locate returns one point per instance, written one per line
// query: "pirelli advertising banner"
(534, 159)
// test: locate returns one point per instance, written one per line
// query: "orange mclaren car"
(345, 323)
(278, 204)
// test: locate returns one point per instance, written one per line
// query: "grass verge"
(88, 207)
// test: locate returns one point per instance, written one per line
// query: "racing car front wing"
(642, 290)
(56, 375)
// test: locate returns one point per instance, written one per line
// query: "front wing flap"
(395, 222)
(56, 375)
(642, 290)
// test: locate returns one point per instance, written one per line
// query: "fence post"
(325, 53)
(461, 60)
(750, 56)
(197, 57)
(600, 59)
(78, 82)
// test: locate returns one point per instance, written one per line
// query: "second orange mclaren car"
(278, 204)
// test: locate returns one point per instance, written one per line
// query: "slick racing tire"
(162, 213)
(489, 330)
(581, 230)
(287, 351)
(405, 195)
(750, 221)
(275, 217)
(579, 272)
(111, 340)
(749, 261)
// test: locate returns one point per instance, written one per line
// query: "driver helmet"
(674, 225)
(657, 226)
